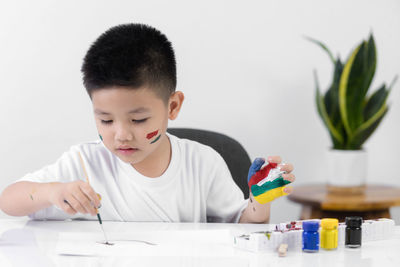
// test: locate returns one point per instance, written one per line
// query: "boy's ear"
(175, 104)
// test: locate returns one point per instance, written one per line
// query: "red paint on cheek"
(152, 134)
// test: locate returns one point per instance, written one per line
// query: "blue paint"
(310, 236)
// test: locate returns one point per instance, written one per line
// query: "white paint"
(272, 175)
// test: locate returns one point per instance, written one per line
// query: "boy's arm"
(258, 208)
(24, 198)
(255, 212)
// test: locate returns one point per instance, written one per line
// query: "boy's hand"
(269, 190)
(75, 197)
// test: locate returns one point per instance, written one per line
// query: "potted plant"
(350, 114)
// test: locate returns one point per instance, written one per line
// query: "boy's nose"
(123, 134)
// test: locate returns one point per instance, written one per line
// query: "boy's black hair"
(131, 55)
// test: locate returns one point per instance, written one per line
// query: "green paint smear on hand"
(278, 182)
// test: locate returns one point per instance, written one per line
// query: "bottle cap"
(311, 226)
(329, 223)
(354, 221)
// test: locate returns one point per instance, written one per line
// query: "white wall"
(244, 67)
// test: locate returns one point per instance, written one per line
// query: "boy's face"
(132, 123)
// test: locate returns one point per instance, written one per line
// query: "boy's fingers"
(287, 167)
(288, 190)
(65, 206)
(289, 177)
(274, 159)
(255, 167)
(99, 196)
(84, 201)
(74, 203)
(89, 192)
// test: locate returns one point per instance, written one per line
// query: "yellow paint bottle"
(329, 234)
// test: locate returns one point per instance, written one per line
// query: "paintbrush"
(97, 211)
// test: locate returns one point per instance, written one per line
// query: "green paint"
(31, 196)
(101, 137)
(155, 140)
(258, 190)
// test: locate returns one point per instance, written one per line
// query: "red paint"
(261, 174)
(152, 134)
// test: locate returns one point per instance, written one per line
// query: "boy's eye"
(135, 121)
(106, 122)
(139, 121)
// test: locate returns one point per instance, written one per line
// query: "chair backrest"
(232, 152)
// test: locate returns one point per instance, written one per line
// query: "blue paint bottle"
(310, 236)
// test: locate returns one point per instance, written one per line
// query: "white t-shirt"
(196, 187)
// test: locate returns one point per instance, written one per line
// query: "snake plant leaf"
(362, 135)
(343, 90)
(323, 46)
(375, 102)
(355, 81)
(359, 113)
(371, 63)
(376, 107)
(331, 98)
(393, 82)
(336, 137)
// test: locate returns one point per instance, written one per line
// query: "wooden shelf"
(318, 202)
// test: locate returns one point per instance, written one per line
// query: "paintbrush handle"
(97, 211)
(98, 217)
(83, 166)
(87, 179)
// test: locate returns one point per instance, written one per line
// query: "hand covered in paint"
(269, 182)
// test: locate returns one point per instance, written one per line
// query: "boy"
(141, 172)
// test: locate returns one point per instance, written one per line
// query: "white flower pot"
(347, 170)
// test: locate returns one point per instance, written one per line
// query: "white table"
(33, 243)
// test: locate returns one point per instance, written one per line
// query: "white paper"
(166, 243)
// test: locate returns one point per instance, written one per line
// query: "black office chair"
(232, 152)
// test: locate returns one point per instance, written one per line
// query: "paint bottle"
(329, 234)
(353, 232)
(310, 236)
